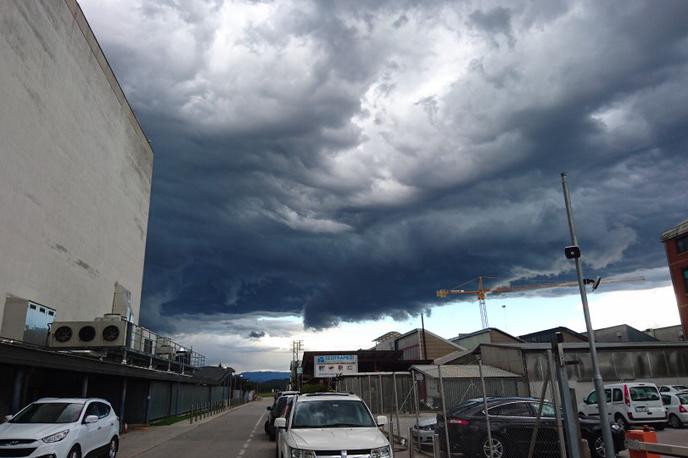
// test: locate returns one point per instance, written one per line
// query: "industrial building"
(76, 172)
(676, 246)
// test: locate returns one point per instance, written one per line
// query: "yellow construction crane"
(481, 291)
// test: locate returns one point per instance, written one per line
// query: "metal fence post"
(396, 401)
(411, 444)
(567, 403)
(370, 395)
(487, 412)
(415, 396)
(379, 393)
(444, 409)
(436, 446)
(555, 401)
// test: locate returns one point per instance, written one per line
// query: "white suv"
(61, 428)
(331, 424)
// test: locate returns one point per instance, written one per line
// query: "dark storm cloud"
(343, 161)
(256, 334)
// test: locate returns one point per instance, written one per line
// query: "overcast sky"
(325, 163)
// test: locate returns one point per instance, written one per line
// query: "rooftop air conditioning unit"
(88, 334)
(164, 348)
(113, 331)
(75, 334)
(143, 340)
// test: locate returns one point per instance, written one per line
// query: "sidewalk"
(143, 439)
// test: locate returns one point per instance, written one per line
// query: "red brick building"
(676, 245)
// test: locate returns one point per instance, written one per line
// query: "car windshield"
(467, 405)
(49, 412)
(680, 387)
(332, 414)
(644, 393)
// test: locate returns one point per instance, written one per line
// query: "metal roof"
(463, 371)
(680, 229)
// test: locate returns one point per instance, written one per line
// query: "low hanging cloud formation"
(343, 160)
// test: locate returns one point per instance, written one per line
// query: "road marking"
(250, 437)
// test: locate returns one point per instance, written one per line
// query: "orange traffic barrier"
(642, 435)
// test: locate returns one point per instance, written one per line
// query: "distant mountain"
(264, 376)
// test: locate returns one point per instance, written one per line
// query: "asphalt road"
(237, 434)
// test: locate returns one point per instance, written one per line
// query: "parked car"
(676, 405)
(330, 424)
(672, 389)
(637, 403)
(512, 420)
(277, 410)
(423, 431)
(61, 428)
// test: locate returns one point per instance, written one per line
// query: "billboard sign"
(327, 366)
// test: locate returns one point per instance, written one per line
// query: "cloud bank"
(343, 160)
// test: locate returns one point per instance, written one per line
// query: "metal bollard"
(436, 452)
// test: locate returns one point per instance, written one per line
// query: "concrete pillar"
(148, 402)
(17, 390)
(123, 402)
(84, 387)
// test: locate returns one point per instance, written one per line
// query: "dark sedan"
(512, 421)
(277, 410)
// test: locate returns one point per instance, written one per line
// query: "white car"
(633, 403)
(676, 405)
(672, 389)
(331, 424)
(61, 428)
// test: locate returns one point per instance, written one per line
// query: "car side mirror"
(280, 423)
(268, 408)
(91, 419)
(382, 420)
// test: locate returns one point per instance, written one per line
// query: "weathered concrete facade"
(75, 166)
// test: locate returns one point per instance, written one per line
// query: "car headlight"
(300, 453)
(382, 452)
(57, 437)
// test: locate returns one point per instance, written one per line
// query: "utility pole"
(573, 252)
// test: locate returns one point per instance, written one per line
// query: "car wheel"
(498, 448)
(621, 421)
(113, 447)
(597, 449)
(75, 452)
(675, 422)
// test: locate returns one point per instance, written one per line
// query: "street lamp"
(573, 252)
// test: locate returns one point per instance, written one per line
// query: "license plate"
(641, 409)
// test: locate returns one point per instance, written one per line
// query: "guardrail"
(661, 449)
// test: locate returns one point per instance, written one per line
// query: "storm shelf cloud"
(341, 161)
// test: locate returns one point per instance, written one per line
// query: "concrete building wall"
(75, 166)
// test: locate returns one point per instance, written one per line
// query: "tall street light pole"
(573, 252)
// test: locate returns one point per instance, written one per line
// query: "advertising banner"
(327, 366)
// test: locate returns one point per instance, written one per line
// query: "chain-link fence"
(439, 408)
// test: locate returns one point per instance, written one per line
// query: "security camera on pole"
(573, 252)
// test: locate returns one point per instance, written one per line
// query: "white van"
(633, 403)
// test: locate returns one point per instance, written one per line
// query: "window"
(664, 389)
(331, 414)
(618, 395)
(685, 278)
(666, 400)
(592, 398)
(644, 393)
(682, 244)
(547, 410)
(92, 409)
(515, 409)
(49, 412)
(32, 307)
(103, 410)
